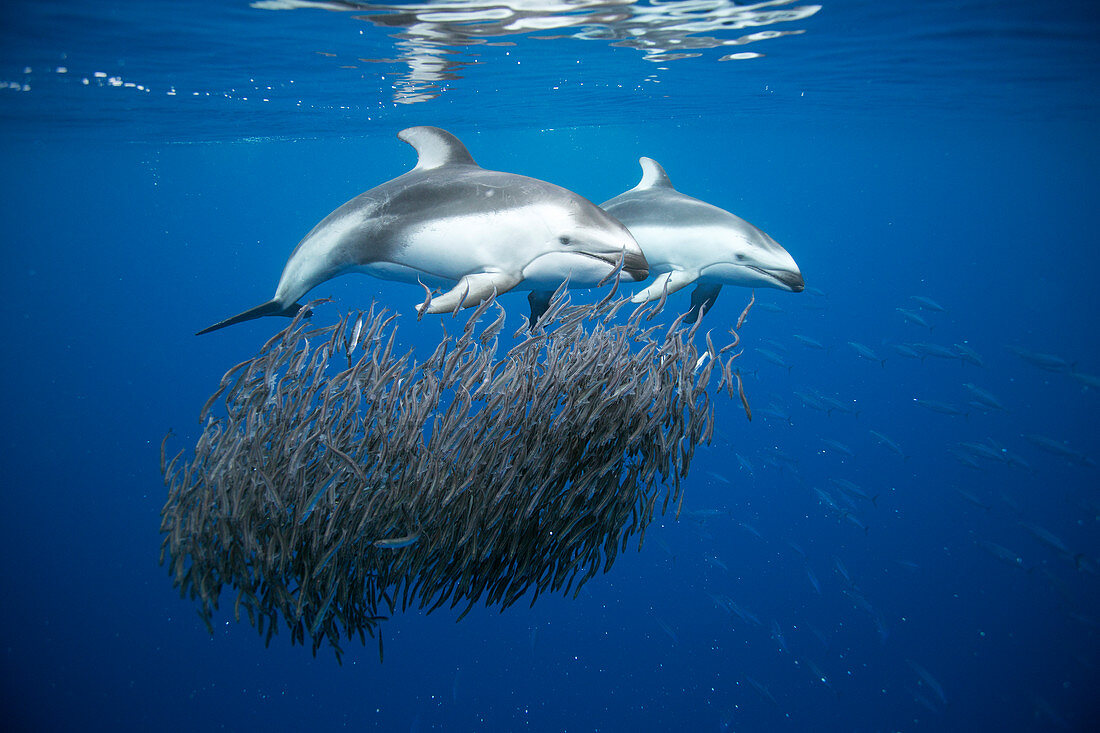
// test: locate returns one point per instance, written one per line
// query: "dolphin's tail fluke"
(270, 308)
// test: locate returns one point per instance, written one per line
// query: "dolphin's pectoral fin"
(270, 308)
(673, 281)
(472, 290)
(540, 302)
(702, 298)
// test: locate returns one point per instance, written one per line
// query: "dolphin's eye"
(740, 257)
(564, 239)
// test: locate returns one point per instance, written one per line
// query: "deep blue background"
(117, 251)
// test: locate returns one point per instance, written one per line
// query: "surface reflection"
(430, 35)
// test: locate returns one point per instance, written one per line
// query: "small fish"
(356, 332)
(915, 318)
(827, 499)
(701, 515)
(842, 570)
(965, 459)
(928, 303)
(717, 563)
(941, 407)
(773, 357)
(751, 530)
(936, 350)
(984, 397)
(777, 413)
(866, 353)
(981, 450)
(428, 293)
(968, 354)
(853, 519)
(859, 600)
(493, 328)
(700, 362)
(809, 342)
(762, 690)
(892, 445)
(668, 630)
(850, 488)
(839, 447)
(1002, 553)
(1058, 448)
(1089, 381)
(1049, 362)
(743, 613)
(907, 351)
(1048, 538)
(835, 404)
(972, 499)
(813, 401)
(818, 675)
(745, 313)
(813, 579)
(783, 458)
(396, 543)
(744, 399)
(779, 347)
(1015, 460)
(929, 680)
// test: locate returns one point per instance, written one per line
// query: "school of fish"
(338, 479)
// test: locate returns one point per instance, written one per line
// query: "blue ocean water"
(162, 159)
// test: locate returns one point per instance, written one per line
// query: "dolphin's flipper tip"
(540, 302)
(702, 299)
(270, 308)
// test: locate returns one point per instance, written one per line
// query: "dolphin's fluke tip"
(270, 308)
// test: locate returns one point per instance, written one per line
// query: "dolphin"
(452, 224)
(686, 241)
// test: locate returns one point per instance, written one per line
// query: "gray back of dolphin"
(451, 223)
(687, 241)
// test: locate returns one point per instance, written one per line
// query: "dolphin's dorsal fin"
(435, 147)
(653, 175)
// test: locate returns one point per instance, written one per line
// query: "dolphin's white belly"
(451, 248)
(405, 274)
(669, 248)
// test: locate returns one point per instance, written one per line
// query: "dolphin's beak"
(786, 279)
(791, 280)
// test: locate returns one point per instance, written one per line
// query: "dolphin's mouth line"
(606, 259)
(790, 281)
(614, 261)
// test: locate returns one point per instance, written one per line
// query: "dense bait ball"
(344, 480)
